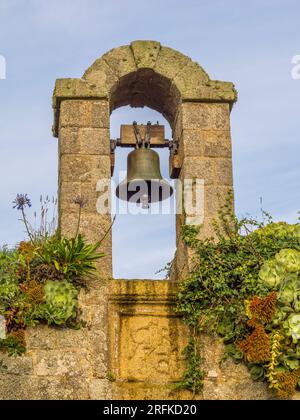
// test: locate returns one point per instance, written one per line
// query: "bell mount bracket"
(138, 136)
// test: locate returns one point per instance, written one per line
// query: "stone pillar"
(203, 134)
(84, 159)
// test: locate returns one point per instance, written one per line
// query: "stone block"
(59, 388)
(170, 62)
(224, 171)
(70, 190)
(84, 168)
(145, 53)
(21, 365)
(67, 192)
(101, 75)
(68, 140)
(92, 225)
(207, 143)
(216, 143)
(207, 230)
(94, 141)
(72, 88)
(199, 168)
(100, 114)
(76, 388)
(191, 143)
(93, 315)
(190, 80)
(99, 366)
(104, 267)
(90, 141)
(120, 60)
(215, 198)
(100, 389)
(94, 296)
(205, 116)
(84, 113)
(223, 91)
(16, 387)
(43, 337)
(59, 363)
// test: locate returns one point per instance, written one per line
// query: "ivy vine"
(245, 289)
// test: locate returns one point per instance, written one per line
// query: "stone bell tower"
(143, 73)
(132, 344)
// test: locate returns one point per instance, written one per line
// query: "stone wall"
(139, 357)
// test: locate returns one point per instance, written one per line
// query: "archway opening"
(143, 241)
(145, 87)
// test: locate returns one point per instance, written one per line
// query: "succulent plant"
(297, 230)
(289, 259)
(290, 290)
(61, 302)
(297, 303)
(257, 372)
(281, 315)
(272, 274)
(280, 229)
(292, 327)
(291, 361)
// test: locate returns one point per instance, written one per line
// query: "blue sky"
(249, 43)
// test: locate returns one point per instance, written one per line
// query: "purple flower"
(81, 200)
(21, 201)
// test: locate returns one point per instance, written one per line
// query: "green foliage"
(73, 258)
(61, 303)
(194, 374)
(12, 346)
(245, 259)
(271, 274)
(40, 279)
(257, 372)
(292, 327)
(28, 297)
(9, 282)
(289, 259)
(276, 272)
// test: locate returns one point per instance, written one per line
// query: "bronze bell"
(144, 183)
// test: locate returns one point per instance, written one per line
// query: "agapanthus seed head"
(21, 201)
(81, 200)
